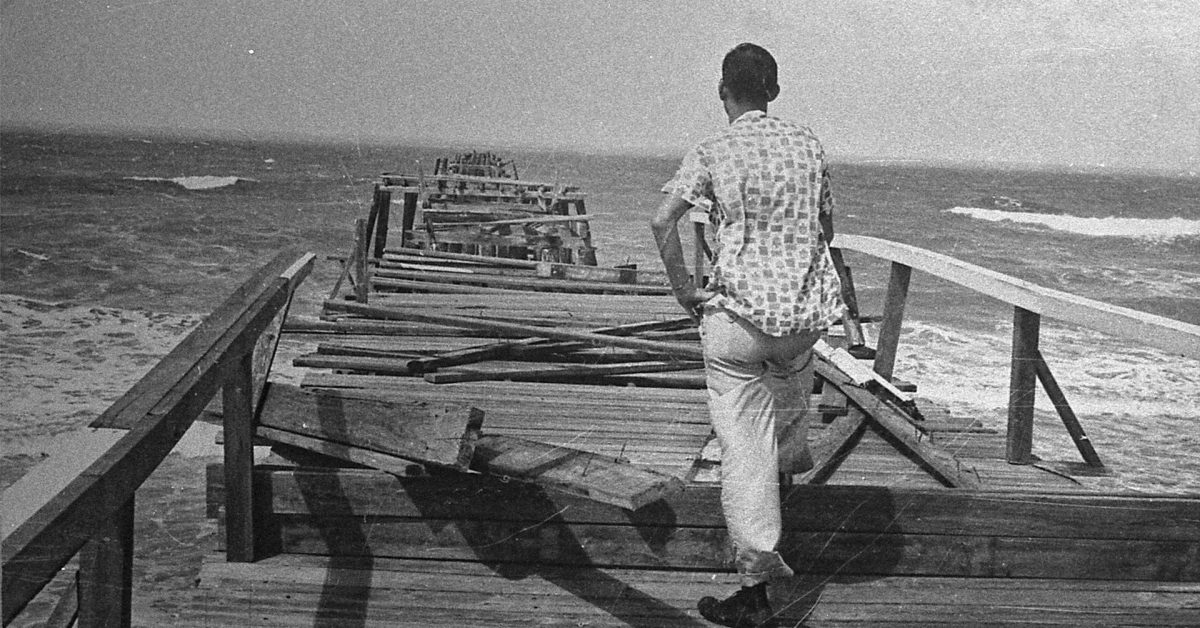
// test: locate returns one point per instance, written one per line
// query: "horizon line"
(300, 137)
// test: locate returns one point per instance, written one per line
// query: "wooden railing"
(1030, 303)
(81, 500)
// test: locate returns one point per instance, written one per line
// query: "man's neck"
(736, 108)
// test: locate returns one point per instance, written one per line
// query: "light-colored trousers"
(758, 391)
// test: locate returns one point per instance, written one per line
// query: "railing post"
(409, 216)
(362, 280)
(1022, 386)
(383, 200)
(239, 461)
(106, 573)
(893, 318)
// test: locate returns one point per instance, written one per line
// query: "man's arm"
(665, 226)
(825, 207)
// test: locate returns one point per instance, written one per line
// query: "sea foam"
(203, 182)
(1158, 229)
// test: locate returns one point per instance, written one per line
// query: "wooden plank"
(1059, 399)
(525, 347)
(514, 221)
(1172, 336)
(292, 589)
(382, 366)
(519, 283)
(560, 372)
(852, 508)
(358, 455)
(578, 472)
(134, 404)
(937, 461)
(669, 348)
(833, 440)
(552, 542)
(437, 434)
(1022, 386)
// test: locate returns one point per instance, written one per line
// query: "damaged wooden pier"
(477, 441)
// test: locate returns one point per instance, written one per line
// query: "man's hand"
(692, 300)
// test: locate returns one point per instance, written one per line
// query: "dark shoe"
(748, 608)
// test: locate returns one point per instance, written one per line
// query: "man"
(773, 291)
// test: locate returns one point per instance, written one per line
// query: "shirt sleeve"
(825, 204)
(693, 181)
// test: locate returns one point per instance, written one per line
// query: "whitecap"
(1158, 229)
(201, 182)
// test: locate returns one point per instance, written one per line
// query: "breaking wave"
(1158, 229)
(204, 182)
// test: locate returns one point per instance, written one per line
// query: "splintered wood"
(592, 332)
(439, 434)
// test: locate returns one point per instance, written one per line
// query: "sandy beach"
(61, 365)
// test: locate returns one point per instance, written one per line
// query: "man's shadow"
(833, 534)
(521, 532)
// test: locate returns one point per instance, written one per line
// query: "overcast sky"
(1051, 82)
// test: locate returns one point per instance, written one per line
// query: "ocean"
(113, 246)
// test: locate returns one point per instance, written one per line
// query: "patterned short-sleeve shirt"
(764, 183)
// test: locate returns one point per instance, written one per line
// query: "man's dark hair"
(749, 72)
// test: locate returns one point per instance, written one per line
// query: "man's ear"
(772, 93)
(721, 90)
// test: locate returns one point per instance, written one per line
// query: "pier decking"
(493, 443)
(877, 536)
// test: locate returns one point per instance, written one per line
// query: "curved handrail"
(1172, 336)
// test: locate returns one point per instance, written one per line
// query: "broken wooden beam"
(437, 434)
(598, 478)
(943, 466)
(552, 373)
(368, 458)
(668, 348)
(528, 346)
(834, 440)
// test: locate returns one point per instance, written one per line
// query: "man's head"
(749, 75)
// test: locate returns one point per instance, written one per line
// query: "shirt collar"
(753, 114)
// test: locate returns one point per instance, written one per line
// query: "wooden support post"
(407, 219)
(587, 255)
(239, 461)
(373, 214)
(893, 318)
(1022, 385)
(381, 223)
(106, 573)
(362, 282)
(1065, 413)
